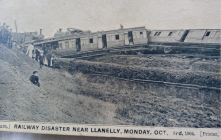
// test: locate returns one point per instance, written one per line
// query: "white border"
(113, 131)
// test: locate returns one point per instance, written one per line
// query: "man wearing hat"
(35, 79)
(37, 54)
(41, 58)
(4, 33)
(0, 32)
(10, 39)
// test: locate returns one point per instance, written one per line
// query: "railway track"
(161, 82)
(184, 55)
(124, 53)
(134, 49)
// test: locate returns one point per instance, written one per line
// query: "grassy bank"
(153, 104)
(20, 100)
(146, 73)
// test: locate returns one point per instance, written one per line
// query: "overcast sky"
(98, 15)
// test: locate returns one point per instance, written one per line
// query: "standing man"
(121, 26)
(6, 35)
(48, 56)
(0, 32)
(29, 50)
(37, 54)
(41, 59)
(53, 58)
(3, 30)
(10, 39)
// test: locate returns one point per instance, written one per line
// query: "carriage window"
(117, 37)
(159, 34)
(66, 44)
(155, 33)
(170, 34)
(91, 40)
(208, 33)
(141, 34)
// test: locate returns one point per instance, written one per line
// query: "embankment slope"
(146, 103)
(20, 100)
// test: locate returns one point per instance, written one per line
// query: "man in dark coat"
(10, 39)
(34, 79)
(41, 59)
(0, 33)
(48, 57)
(37, 54)
(4, 34)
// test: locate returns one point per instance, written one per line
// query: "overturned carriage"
(80, 41)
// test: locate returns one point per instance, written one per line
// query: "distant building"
(70, 31)
(27, 36)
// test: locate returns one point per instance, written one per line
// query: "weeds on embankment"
(149, 104)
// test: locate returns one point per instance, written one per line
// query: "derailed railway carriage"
(167, 36)
(192, 36)
(98, 40)
(75, 42)
(212, 36)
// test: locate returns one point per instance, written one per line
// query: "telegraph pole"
(16, 27)
(16, 32)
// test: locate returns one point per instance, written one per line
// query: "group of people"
(42, 55)
(6, 35)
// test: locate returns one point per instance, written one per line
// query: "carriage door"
(184, 36)
(130, 38)
(60, 45)
(126, 39)
(78, 44)
(104, 41)
(100, 44)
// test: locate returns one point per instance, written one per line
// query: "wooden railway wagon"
(205, 36)
(167, 36)
(87, 41)
(192, 36)
(79, 43)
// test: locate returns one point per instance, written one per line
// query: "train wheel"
(167, 49)
(141, 52)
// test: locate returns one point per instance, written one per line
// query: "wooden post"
(16, 27)
(18, 38)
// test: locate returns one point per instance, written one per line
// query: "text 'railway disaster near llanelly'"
(127, 76)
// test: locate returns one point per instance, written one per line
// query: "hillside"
(20, 100)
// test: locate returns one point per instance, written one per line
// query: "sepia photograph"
(143, 63)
